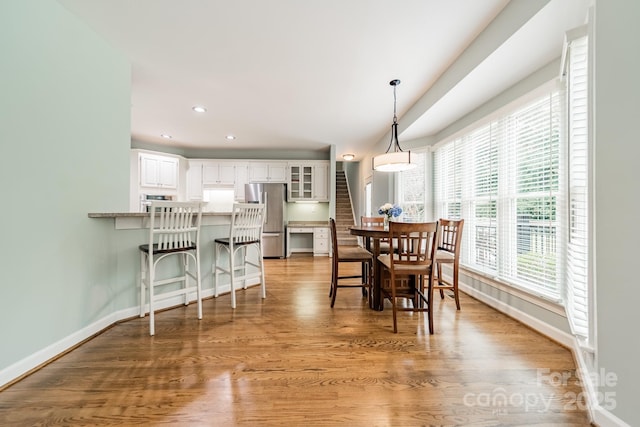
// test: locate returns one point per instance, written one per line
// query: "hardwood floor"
(292, 360)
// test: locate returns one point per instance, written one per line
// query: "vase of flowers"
(389, 211)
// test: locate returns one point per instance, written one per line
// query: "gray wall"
(617, 199)
(65, 136)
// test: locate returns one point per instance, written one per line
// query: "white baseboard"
(599, 415)
(33, 361)
(52, 351)
(604, 418)
(544, 328)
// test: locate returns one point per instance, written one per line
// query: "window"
(367, 199)
(503, 178)
(579, 302)
(412, 189)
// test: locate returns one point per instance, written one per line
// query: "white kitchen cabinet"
(242, 178)
(308, 181)
(320, 241)
(308, 239)
(300, 182)
(299, 239)
(158, 171)
(267, 172)
(194, 181)
(218, 173)
(321, 182)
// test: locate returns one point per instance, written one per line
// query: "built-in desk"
(308, 236)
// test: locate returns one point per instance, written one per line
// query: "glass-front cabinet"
(301, 182)
(308, 181)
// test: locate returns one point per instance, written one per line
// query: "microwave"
(146, 199)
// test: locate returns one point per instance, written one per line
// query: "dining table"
(372, 235)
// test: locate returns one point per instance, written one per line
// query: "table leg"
(376, 300)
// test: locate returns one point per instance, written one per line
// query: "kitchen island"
(131, 229)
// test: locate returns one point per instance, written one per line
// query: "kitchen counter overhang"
(135, 220)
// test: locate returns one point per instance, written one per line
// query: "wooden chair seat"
(353, 254)
(444, 256)
(405, 268)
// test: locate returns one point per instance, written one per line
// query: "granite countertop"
(307, 224)
(142, 214)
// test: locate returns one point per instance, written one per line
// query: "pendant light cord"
(394, 126)
(395, 118)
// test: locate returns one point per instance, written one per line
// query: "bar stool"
(246, 232)
(174, 229)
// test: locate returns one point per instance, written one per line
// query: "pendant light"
(396, 160)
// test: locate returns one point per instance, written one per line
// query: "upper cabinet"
(194, 181)
(242, 178)
(203, 174)
(158, 171)
(268, 171)
(308, 181)
(301, 182)
(321, 182)
(218, 173)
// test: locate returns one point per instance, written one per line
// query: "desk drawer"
(300, 230)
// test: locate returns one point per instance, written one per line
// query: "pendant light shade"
(394, 159)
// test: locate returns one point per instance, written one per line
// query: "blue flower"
(390, 210)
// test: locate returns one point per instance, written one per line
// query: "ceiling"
(303, 75)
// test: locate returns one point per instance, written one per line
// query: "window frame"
(505, 200)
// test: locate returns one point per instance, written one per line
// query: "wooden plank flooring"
(292, 360)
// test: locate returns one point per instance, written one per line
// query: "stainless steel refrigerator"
(273, 232)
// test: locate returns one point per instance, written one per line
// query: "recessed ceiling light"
(348, 157)
(165, 136)
(199, 109)
(230, 137)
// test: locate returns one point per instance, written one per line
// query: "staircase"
(344, 212)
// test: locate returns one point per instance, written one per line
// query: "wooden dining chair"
(408, 266)
(448, 252)
(346, 254)
(376, 221)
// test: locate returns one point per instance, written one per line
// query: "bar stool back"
(247, 220)
(174, 231)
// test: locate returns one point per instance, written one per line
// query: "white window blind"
(503, 179)
(412, 190)
(577, 294)
(448, 180)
